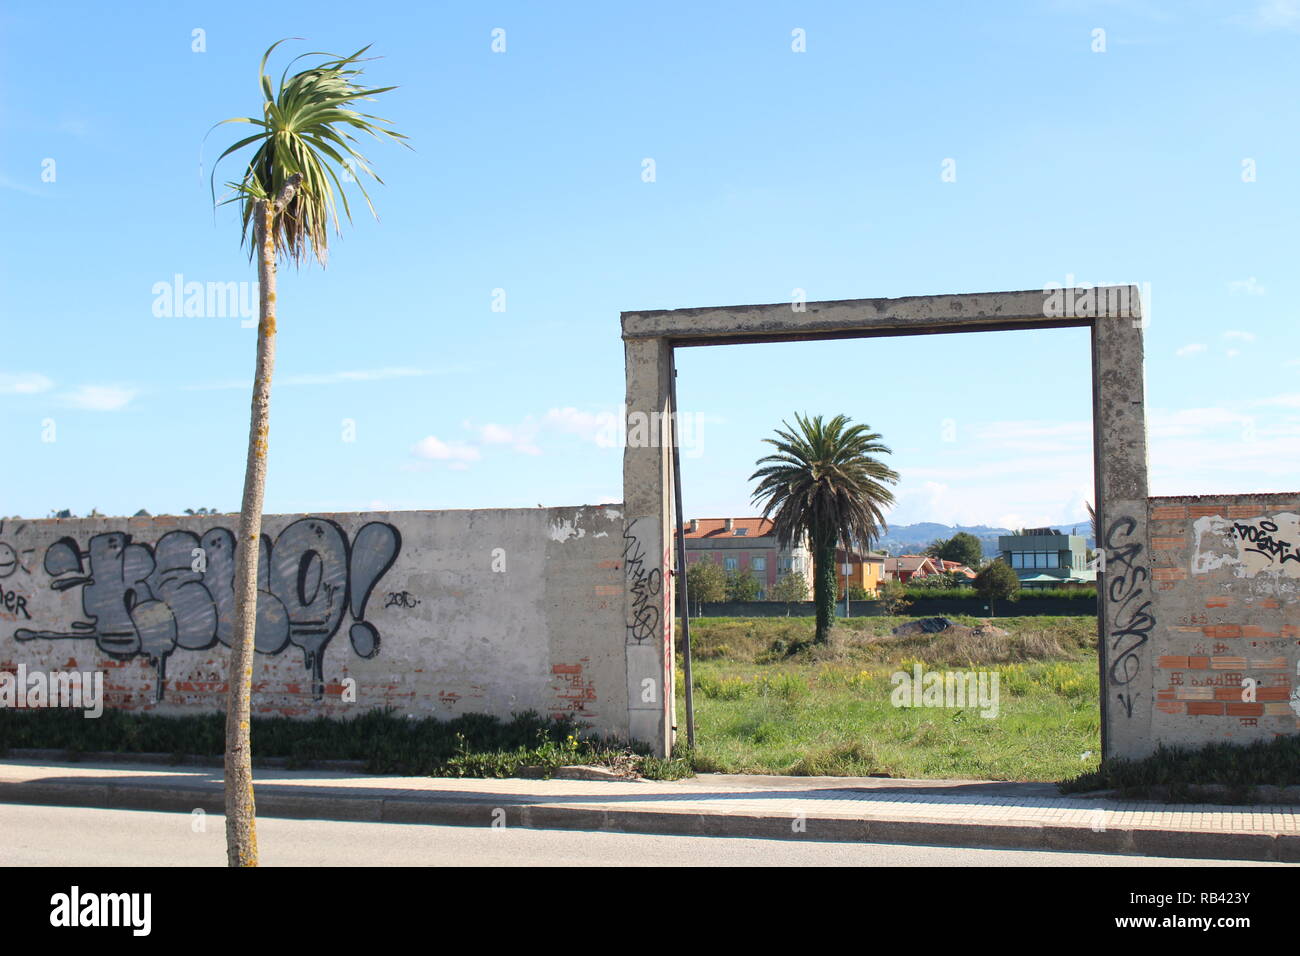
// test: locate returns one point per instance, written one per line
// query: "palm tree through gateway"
(824, 481)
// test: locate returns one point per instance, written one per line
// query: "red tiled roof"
(857, 557)
(959, 568)
(907, 562)
(717, 528)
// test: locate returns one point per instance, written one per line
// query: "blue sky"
(1171, 158)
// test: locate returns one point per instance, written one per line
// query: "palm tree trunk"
(824, 583)
(241, 820)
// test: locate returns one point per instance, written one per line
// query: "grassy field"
(767, 702)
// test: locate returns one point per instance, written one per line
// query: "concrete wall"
(1225, 571)
(433, 612)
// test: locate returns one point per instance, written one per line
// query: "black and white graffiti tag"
(1129, 618)
(646, 584)
(179, 594)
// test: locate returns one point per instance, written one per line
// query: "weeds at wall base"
(384, 741)
(1216, 773)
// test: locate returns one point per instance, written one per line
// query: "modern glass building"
(1046, 558)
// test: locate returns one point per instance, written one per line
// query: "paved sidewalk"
(944, 813)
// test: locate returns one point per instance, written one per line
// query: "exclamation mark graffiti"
(373, 552)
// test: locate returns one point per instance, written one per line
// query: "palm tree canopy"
(304, 129)
(824, 476)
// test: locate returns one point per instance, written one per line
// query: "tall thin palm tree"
(286, 195)
(823, 482)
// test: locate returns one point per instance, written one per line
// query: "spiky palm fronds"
(304, 129)
(823, 479)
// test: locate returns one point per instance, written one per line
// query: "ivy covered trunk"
(825, 581)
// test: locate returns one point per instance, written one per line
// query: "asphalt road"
(78, 836)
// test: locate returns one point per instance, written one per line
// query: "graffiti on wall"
(1250, 547)
(142, 600)
(644, 584)
(1129, 618)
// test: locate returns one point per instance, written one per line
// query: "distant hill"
(915, 538)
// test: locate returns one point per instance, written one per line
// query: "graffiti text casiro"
(179, 593)
(1129, 617)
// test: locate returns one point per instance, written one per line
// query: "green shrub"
(1273, 762)
(385, 740)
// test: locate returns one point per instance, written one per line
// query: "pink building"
(745, 543)
(904, 567)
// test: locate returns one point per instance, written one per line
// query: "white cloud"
(1163, 423)
(522, 437)
(1194, 348)
(1031, 435)
(1049, 497)
(1291, 400)
(7, 182)
(98, 398)
(1006, 468)
(360, 375)
(497, 434)
(593, 426)
(24, 383)
(435, 449)
(1264, 461)
(1239, 335)
(322, 378)
(1248, 286)
(1275, 15)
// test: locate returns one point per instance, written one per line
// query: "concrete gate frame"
(1114, 315)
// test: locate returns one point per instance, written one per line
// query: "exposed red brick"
(1204, 708)
(1222, 630)
(1253, 630)
(1242, 709)
(1227, 663)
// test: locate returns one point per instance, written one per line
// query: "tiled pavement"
(887, 810)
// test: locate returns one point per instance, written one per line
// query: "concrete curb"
(292, 802)
(56, 755)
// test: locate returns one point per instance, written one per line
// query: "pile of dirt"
(942, 626)
(924, 625)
